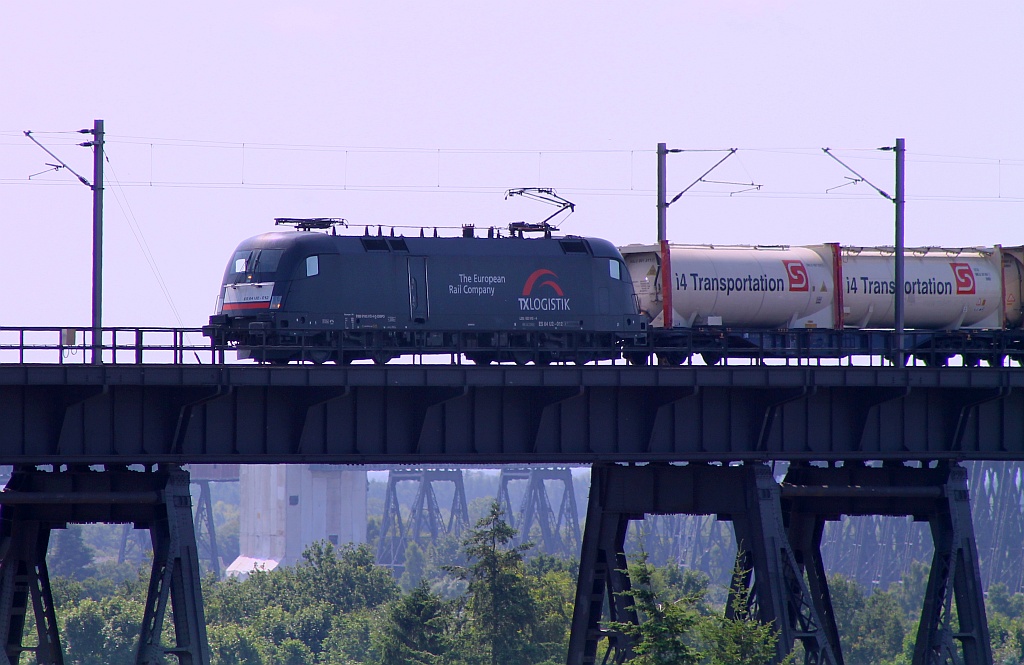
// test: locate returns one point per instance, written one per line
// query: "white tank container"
(737, 286)
(945, 289)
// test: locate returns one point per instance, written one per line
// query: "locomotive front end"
(253, 293)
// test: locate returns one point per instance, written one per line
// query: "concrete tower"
(285, 507)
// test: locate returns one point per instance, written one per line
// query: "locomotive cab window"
(266, 260)
(256, 260)
(312, 266)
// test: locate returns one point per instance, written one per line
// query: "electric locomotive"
(304, 295)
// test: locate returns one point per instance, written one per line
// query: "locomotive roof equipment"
(310, 223)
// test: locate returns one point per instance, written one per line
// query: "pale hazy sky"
(221, 116)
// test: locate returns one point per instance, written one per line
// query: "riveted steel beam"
(424, 414)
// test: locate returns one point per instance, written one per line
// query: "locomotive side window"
(312, 266)
(614, 269)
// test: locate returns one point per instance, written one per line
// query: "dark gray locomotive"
(323, 297)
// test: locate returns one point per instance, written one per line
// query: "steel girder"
(423, 414)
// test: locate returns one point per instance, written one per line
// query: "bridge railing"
(139, 345)
(66, 346)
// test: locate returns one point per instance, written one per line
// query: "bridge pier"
(747, 495)
(938, 495)
(36, 502)
(778, 530)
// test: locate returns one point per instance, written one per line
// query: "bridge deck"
(413, 414)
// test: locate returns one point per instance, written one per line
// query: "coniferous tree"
(668, 632)
(415, 630)
(500, 604)
(415, 567)
(70, 556)
(740, 639)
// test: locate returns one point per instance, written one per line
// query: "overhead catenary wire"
(140, 239)
(490, 190)
(185, 142)
(247, 181)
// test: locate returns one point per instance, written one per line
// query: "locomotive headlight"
(275, 302)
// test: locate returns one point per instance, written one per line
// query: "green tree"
(415, 629)
(346, 578)
(232, 644)
(320, 610)
(351, 638)
(415, 567)
(740, 639)
(104, 632)
(684, 630)
(878, 632)
(999, 600)
(874, 628)
(1007, 638)
(501, 607)
(554, 594)
(667, 633)
(69, 555)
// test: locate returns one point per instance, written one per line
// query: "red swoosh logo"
(537, 274)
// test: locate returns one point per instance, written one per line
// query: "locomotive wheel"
(711, 358)
(636, 358)
(933, 360)
(521, 357)
(672, 358)
(481, 358)
(997, 360)
(544, 358)
(319, 357)
(892, 359)
(381, 358)
(583, 358)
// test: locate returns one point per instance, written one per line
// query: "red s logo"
(964, 276)
(797, 274)
(537, 274)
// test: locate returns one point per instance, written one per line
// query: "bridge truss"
(720, 420)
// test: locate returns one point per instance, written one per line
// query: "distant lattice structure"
(424, 520)
(535, 519)
(875, 551)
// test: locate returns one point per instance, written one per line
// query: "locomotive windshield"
(251, 261)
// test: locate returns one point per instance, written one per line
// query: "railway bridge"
(861, 440)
